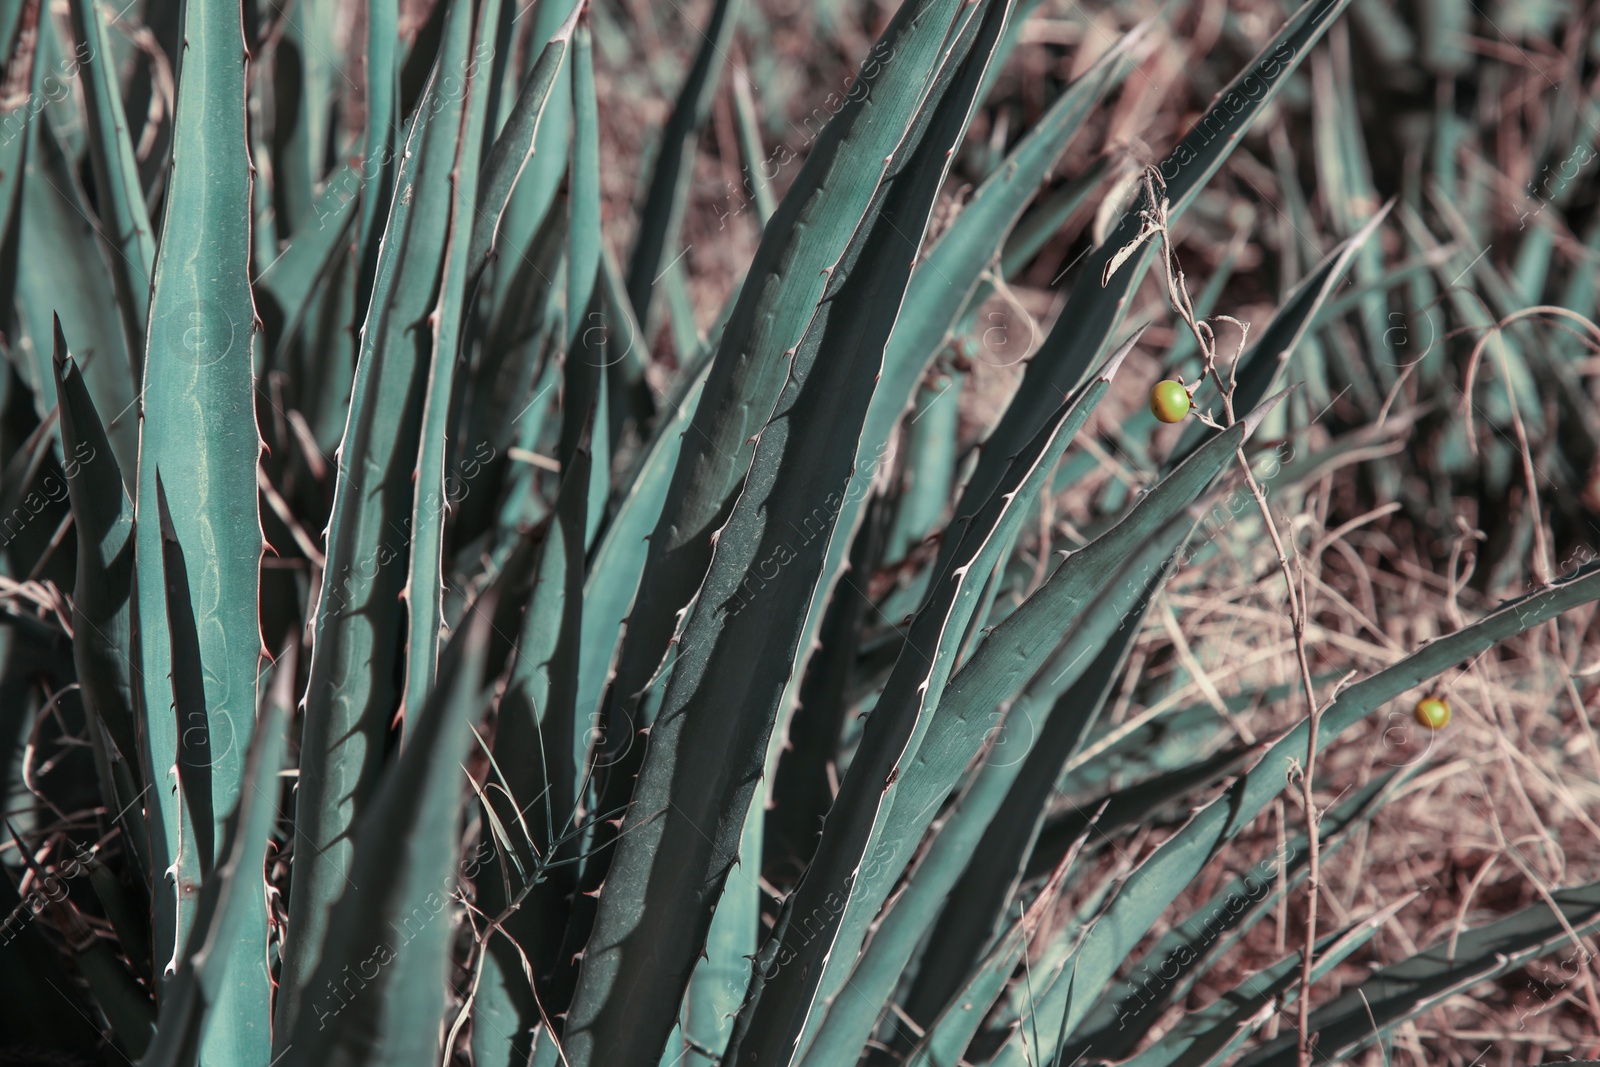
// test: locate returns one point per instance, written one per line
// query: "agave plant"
(444, 649)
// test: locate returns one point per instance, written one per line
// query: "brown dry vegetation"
(1506, 801)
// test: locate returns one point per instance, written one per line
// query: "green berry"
(1433, 713)
(1169, 401)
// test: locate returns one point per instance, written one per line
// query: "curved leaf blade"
(392, 926)
(351, 693)
(125, 222)
(1154, 883)
(706, 749)
(200, 442)
(1096, 305)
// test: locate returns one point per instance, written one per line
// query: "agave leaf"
(948, 281)
(503, 383)
(929, 495)
(425, 584)
(931, 440)
(11, 12)
(543, 172)
(304, 74)
(514, 146)
(102, 641)
(706, 750)
(899, 721)
(1154, 883)
(943, 1043)
(65, 275)
(589, 345)
(392, 927)
(850, 1019)
(1207, 1036)
(803, 240)
(228, 904)
(533, 747)
(978, 902)
(1146, 802)
(686, 334)
(722, 975)
(520, 505)
(380, 163)
(620, 554)
(631, 393)
(119, 198)
(756, 181)
(507, 397)
(985, 882)
(943, 283)
(661, 214)
(1116, 1023)
(584, 406)
(329, 363)
(924, 730)
(351, 694)
(294, 276)
(126, 906)
(619, 557)
(802, 788)
(198, 854)
(19, 44)
(1345, 182)
(800, 249)
(543, 682)
(1097, 303)
(200, 441)
(939, 286)
(1404, 990)
(583, 232)
(953, 1031)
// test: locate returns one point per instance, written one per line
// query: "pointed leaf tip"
(1263, 409)
(59, 356)
(1116, 358)
(169, 532)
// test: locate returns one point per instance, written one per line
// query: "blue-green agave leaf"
(1154, 883)
(381, 985)
(200, 445)
(706, 750)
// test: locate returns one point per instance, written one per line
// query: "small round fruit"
(1169, 401)
(1433, 713)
